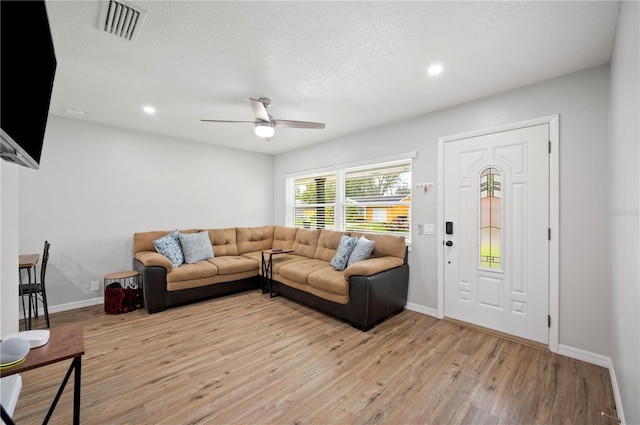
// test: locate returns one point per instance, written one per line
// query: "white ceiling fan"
(265, 124)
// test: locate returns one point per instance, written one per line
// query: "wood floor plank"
(250, 359)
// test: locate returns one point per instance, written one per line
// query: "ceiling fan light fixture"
(264, 129)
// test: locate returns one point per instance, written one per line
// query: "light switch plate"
(429, 229)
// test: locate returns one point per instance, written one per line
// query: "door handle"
(449, 243)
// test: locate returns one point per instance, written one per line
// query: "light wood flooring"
(249, 359)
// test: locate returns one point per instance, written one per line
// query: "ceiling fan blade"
(259, 110)
(252, 122)
(298, 124)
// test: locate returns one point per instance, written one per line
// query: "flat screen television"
(27, 70)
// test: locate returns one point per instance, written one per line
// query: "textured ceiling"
(351, 65)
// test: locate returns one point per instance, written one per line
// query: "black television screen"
(27, 71)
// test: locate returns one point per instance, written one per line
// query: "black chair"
(36, 291)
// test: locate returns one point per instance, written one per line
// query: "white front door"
(496, 254)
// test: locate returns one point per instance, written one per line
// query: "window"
(378, 198)
(374, 198)
(315, 202)
(490, 218)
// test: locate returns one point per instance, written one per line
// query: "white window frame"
(340, 201)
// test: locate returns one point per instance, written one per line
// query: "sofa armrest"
(372, 298)
(154, 286)
(150, 258)
(371, 266)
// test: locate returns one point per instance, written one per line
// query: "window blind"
(374, 198)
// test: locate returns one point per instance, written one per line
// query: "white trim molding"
(585, 356)
(68, 306)
(598, 360)
(422, 309)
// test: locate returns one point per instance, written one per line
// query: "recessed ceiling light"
(149, 110)
(435, 69)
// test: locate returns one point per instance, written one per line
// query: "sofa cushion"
(386, 245)
(169, 246)
(251, 239)
(345, 247)
(223, 241)
(143, 241)
(284, 237)
(230, 264)
(196, 247)
(362, 250)
(280, 260)
(255, 256)
(329, 296)
(299, 270)
(328, 243)
(306, 242)
(199, 270)
(329, 280)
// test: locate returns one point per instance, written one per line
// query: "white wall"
(8, 248)
(97, 185)
(581, 99)
(623, 214)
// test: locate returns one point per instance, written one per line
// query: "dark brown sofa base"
(187, 296)
(371, 298)
(341, 311)
(157, 298)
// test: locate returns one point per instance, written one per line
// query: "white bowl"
(13, 350)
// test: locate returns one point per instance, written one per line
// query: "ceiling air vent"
(121, 19)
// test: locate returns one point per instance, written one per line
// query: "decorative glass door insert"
(491, 218)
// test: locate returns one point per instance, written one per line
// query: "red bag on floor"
(129, 302)
(118, 299)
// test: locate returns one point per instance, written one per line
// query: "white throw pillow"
(196, 246)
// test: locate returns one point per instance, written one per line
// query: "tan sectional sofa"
(364, 293)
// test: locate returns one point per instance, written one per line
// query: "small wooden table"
(126, 277)
(65, 342)
(28, 262)
(266, 277)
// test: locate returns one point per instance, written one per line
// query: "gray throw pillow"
(345, 247)
(196, 246)
(169, 246)
(362, 250)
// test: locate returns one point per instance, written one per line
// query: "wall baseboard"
(69, 306)
(422, 309)
(616, 393)
(598, 360)
(585, 356)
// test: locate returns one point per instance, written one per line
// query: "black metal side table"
(266, 278)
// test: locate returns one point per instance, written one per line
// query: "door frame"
(554, 213)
